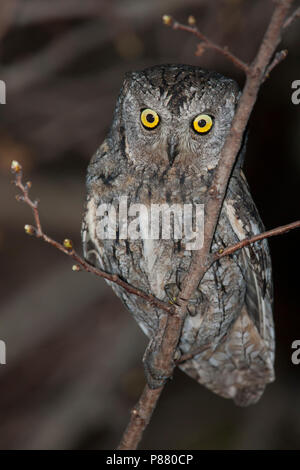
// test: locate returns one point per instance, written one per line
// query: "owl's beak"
(172, 149)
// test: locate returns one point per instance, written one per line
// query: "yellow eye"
(149, 118)
(202, 123)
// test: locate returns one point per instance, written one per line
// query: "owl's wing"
(245, 221)
(90, 252)
(100, 173)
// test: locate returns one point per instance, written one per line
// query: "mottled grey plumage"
(231, 311)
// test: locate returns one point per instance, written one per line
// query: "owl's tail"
(248, 395)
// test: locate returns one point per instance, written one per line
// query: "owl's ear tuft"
(130, 76)
(233, 93)
(236, 92)
(237, 98)
(126, 82)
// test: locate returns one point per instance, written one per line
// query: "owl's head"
(174, 115)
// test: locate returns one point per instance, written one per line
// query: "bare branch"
(140, 417)
(67, 246)
(279, 57)
(248, 241)
(291, 18)
(206, 43)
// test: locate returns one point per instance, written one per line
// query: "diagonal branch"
(67, 246)
(291, 18)
(248, 241)
(279, 57)
(205, 43)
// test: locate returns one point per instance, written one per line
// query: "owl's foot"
(156, 374)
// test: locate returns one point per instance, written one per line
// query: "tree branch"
(205, 43)
(67, 246)
(248, 241)
(279, 57)
(292, 18)
(140, 417)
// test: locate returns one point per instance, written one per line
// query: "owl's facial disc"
(176, 116)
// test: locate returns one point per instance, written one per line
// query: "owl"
(169, 126)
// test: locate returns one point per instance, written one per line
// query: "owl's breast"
(151, 249)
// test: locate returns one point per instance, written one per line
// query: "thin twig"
(248, 241)
(279, 57)
(291, 18)
(206, 43)
(67, 246)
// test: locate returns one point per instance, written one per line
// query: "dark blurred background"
(73, 352)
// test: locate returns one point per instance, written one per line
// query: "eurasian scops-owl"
(168, 130)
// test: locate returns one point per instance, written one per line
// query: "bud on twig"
(75, 267)
(191, 20)
(68, 244)
(167, 20)
(15, 166)
(29, 229)
(200, 49)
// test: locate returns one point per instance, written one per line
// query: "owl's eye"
(202, 123)
(149, 118)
